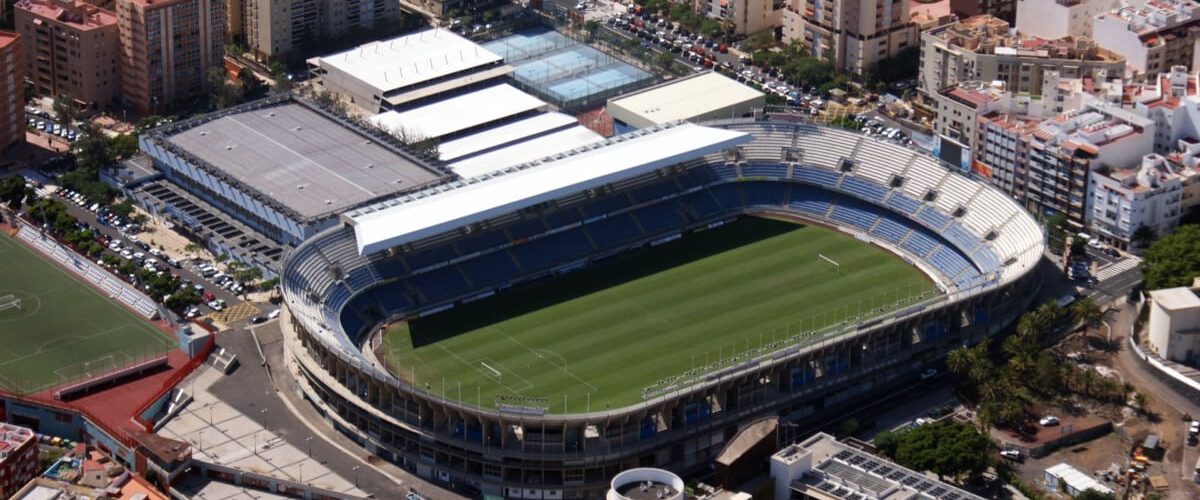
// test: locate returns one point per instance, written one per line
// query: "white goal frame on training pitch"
(10, 302)
(836, 266)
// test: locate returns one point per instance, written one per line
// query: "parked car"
(1014, 455)
(1048, 421)
(928, 374)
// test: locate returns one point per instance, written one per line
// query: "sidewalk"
(158, 235)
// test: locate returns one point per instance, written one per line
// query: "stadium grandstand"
(424, 254)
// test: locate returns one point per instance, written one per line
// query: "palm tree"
(1087, 312)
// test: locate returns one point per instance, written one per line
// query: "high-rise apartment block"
(18, 447)
(1152, 35)
(278, 29)
(1060, 18)
(853, 34)
(983, 48)
(1124, 199)
(747, 16)
(12, 89)
(72, 51)
(167, 50)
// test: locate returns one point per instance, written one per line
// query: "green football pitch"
(64, 330)
(595, 338)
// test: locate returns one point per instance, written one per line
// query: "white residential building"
(1172, 101)
(1060, 18)
(1175, 324)
(1125, 199)
(1153, 35)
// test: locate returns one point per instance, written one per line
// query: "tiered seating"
(955, 192)
(337, 296)
(960, 237)
(986, 212)
(523, 228)
(481, 241)
(815, 175)
(702, 204)
(727, 195)
(985, 260)
(764, 194)
(892, 227)
(724, 172)
(618, 228)
(919, 244)
(563, 217)
(552, 250)
(360, 278)
(863, 189)
(900, 201)
(812, 201)
(949, 262)
(933, 218)
(877, 161)
(606, 205)
(653, 191)
(659, 217)
(924, 174)
(439, 284)
(854, 213)
(774, 170)
(697, 176)
(825, 147)
(769, 142)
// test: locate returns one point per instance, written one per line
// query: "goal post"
(836, 267)
(490, 372)
(10, 302)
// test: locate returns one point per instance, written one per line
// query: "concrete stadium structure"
(979, 246)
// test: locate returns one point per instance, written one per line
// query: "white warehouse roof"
(693, 97)
(502, 135)
(525, 151)
(459, 113)
(408, 60)
(445, 208)
(1076, 480)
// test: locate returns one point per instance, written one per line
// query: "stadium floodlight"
(837, 267)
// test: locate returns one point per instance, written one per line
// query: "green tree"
(125, 145)
(665, 60)
(279, 75)
(948, 449)
(1172, 260)
(13, 191)
(887, 442)
(221, 93)
(252, 87)
(1056, 232)
(66, 110)
(124, 208)
(1143, 236)
(93, 149)
(1085, 311)
(1090, 494)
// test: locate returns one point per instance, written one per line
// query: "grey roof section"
(307, 162)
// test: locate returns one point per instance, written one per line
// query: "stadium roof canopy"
(309, 163)
(521, 152)
(409, 60)
(701, 96)
(444, 208)
(459, 113)
(504, 135)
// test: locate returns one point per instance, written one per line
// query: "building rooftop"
(1168, 91)
(1077, 480)
(7, 38)
(840, 471)
(308, 163)
(76, 14)
(524, 151)
(975, 94)
(686, 98)
(1175, 299)
(459, 113)
(986, 34)
(389, 65)
(444, 208)
(503, 135)
(1147, 17)
(12, 437)
(1091, 127)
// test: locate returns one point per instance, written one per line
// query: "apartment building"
(746, 16)
(1046, 164)
(1060, 18)
(73, 50)
(167, 50)
(1124, 199)
(12, 89)
(853, 34)
(1152, 35)
(18, 453)
(1171, 99)
(983, 48)
(280, 29)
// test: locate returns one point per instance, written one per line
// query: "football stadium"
(533, 331)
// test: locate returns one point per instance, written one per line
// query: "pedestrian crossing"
(1116, 268)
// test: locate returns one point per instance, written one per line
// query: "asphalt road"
(250, 391)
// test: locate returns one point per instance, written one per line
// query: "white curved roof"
(447, 207)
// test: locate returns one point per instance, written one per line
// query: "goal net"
(10, 302)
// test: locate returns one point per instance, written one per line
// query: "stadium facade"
(423, 252)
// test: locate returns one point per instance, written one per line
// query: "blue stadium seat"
(613, 230)
(726, 172)
(660, 217)
(891, 227)
(606, 205)
(481, 241)
(490, 269)
(854, 213)
(763, 193)
(552, 250)
(813, 175)
(526, 228)
(654, 191)
(960, 237)
(697, 176)
(439, 284)
(772, 170)
(810, 200)
(727, 196)
(919, 243)
(985, 260)
(863, 189)
(702, 203)
(563, 217)
(933, 218)
(429, 256)
(360, 278)
(903, 203)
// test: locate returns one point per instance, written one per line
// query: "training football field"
(64, 329)
(594, 338)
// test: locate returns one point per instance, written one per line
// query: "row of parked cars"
(42, 121)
